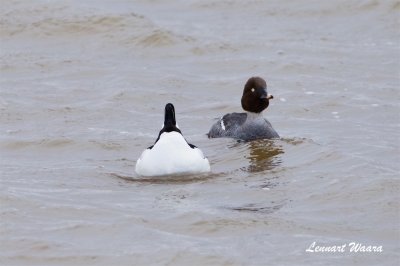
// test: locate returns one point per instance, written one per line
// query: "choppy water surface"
(83, 87)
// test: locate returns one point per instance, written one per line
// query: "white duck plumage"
(171, 153)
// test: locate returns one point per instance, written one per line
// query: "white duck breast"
(171, 154)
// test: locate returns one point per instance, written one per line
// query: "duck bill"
(267, 96)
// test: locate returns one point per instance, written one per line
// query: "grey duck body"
(243, 126)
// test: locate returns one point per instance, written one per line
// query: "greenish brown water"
(83, 89)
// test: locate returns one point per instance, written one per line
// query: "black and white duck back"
(171, 153)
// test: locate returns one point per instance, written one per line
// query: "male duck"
(171, 153)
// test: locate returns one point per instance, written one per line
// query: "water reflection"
(263, 155)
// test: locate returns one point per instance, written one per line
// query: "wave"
(13, 24)
(126, 29)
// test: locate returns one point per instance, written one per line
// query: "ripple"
(46, 143)
(258, 208)
(170, 179)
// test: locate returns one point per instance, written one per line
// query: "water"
(83, 88)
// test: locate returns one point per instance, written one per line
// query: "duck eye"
(252, 89)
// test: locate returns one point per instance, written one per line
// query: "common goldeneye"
(250, 125)
(171, 153)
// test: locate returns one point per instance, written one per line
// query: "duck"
(250, 125)
(171, 154)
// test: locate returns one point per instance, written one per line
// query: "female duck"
(250, 125)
